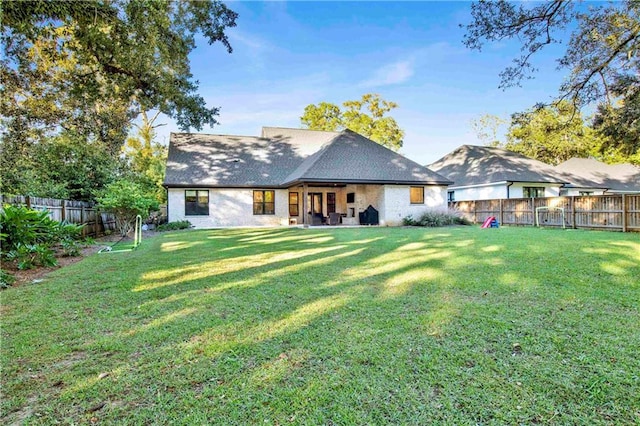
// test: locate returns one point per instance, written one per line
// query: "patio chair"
(334, 219)
(317, 219)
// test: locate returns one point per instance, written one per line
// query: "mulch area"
(38, 273)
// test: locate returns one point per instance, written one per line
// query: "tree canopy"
(140, 49)
(602, 57)
(365, 116)
(603, 48)
(87, 69)
(552, 134)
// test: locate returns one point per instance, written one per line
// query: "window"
(451, 196)
(533, 191)
(417, 194)
(196, 203)
(351, 197)
(331, 202)
(293, 204)
(264, 202)
(584, 193)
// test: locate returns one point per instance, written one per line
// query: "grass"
(333, 326)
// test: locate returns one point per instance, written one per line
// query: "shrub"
(69, 236)
(409, 221)
(437, 218)
(126, 199)
(6, 279)
(28, 256)
(22, 226)
(174, 226)
(28, 237)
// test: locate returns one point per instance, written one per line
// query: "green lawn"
(333, 326)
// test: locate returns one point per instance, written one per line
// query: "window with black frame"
(293, 204)
(533, 192)
(331, 202)
(264, 202)
(196, 202)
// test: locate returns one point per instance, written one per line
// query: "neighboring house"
(216, 180)
(588, 173)
(483, 173)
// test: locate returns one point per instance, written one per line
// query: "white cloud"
(395, 73)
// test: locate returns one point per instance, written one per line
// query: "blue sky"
(289, 55)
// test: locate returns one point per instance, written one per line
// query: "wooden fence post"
(501, 213)
(624, 212)
(573, 212)
(27, 200)
(475, 211)
(84, 228)
(533, 211)
(96, 228)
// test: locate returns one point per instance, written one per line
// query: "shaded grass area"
(333, 326)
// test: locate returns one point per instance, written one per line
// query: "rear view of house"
(295, 176)
(483, 172)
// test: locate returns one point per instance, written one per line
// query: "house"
(483, 173)
(274, 179)
(589, 173)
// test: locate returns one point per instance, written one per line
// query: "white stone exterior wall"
(480, 192)
(234, 207)
(576, 191)
(499, 190)
(229, 207)
(550, 190)
(365, 195)
(397, 203)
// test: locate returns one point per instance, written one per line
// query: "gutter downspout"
(508, 186)
(166, 191)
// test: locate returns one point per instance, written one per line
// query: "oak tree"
(90, 67)
(602, 56)
(366, 116)
(552, 134)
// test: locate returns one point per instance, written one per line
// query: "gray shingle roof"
(350, 157)
(285, 156)
(589, 172)
(476, 165)
(305, 137)
(233, 161)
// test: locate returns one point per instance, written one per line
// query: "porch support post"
(305, 191)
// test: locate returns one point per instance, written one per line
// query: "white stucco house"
(588, 175)
(273, 180)
(485, 173)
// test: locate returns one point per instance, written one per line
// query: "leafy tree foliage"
(139, 48)
(552, 134)
(603, 47)
(89, 68)
(126, 199)
(602, 56)
(63, 166)
(619, 125)
(324, 116)
(365, 116)
(487, 127)
(147, 158)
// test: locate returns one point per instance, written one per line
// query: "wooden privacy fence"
(618, 212)
(78, 212)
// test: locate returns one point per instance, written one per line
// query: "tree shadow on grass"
(322, 326)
